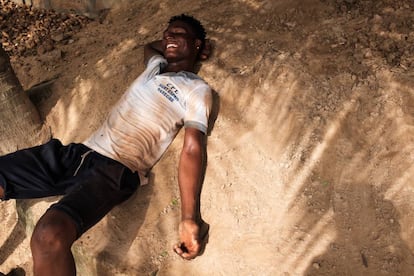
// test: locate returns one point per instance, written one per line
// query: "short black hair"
(195, 24)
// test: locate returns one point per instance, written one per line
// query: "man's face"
(179, 42)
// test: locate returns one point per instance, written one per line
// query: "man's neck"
(180, 66)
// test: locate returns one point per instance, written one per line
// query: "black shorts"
(91, 183)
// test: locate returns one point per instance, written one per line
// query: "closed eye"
(175, 32)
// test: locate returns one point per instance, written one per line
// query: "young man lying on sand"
(107, 168)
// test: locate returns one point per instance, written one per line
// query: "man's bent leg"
(99, 186)
(51, 244)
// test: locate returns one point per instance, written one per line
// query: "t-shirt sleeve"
(198, 108)
(154, 66)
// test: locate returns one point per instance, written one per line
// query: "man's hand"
(189, 246)
(207, 50)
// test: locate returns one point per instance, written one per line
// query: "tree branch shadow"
(19, 232)
(17, 236)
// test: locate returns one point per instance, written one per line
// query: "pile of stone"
(26, 30)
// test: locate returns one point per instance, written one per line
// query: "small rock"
(41, 50)
(316, 265)
(58, 37)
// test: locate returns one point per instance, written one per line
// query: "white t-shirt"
(149, 115)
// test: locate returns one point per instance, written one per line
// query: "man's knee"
(54, 232)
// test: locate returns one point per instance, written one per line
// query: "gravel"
(28, 31)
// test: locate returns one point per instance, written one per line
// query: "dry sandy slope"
(310, 162)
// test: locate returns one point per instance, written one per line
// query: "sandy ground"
(310, 161)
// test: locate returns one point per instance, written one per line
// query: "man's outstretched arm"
(190, 172)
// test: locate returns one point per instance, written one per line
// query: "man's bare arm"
(152, 49)
(189, 177)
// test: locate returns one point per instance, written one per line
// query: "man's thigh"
(35, 172)
(102, 183)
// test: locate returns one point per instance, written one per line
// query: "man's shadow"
(123, 224)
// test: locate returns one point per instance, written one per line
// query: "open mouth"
(171, 45)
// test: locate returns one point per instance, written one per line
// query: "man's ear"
(198, 43)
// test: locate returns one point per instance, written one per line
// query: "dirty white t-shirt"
(149, 115)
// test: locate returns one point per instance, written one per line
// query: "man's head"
(184, 38)
(195, 25)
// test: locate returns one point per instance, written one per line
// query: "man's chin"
(170, 55)
(171, 58)
(170, 52)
